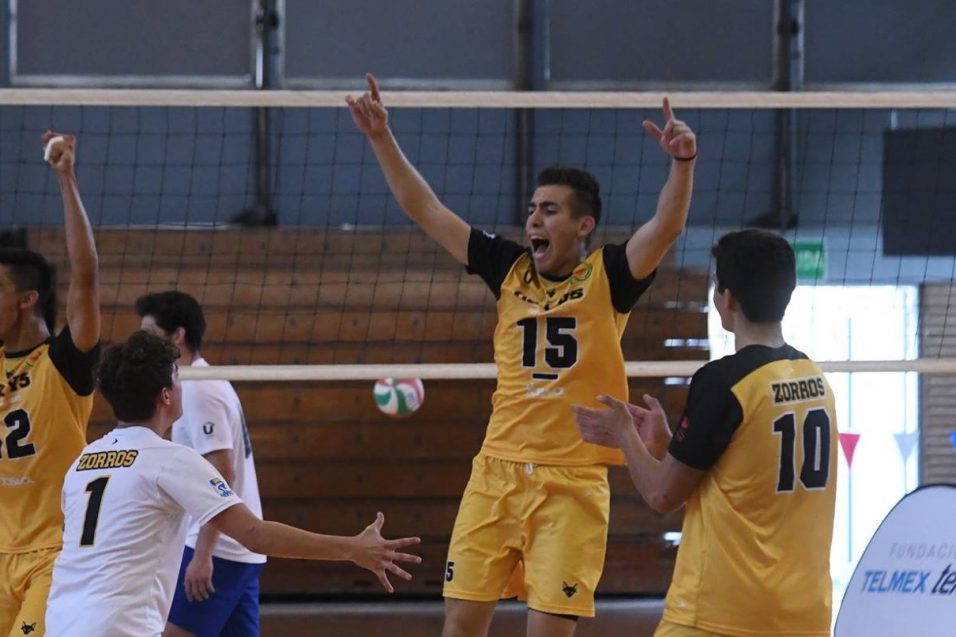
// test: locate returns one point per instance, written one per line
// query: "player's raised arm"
(653, 239)
(411, 190)
(368, 549)
(83, 297)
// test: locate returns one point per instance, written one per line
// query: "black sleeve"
(710, 419)
(625, 289)
(491, 258)
(75, 366)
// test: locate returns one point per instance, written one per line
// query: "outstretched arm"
(411, 190)
(368, 549)
(653, 239)
(83, 297)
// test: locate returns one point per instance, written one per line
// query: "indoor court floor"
(615, 618)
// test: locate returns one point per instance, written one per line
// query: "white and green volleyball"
(399, 396)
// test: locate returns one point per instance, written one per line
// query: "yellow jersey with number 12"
(45, 405)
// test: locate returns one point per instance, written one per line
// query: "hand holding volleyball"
(399, 397)
(59, 151)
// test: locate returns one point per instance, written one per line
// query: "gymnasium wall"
(603, 44)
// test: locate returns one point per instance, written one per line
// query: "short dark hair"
(172, 310)
(30, 271)
(131, 374)
(587, 191)
(759, 267)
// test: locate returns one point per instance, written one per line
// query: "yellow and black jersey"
(45, 405)
(755, 554)
(557, 342)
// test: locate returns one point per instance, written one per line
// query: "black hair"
(30, 271)
(130, 375)
(587, 191)
(759, 267)
(172, 310)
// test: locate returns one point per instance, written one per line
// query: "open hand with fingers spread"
(676, 138)
(375, 553)
(59, 151)
(368, 113)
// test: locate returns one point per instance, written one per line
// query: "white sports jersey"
(125, 503)
(212, 420)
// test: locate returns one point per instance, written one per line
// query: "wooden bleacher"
(327, 460)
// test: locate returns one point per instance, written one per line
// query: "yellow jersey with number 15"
(45, 405)
(557, 343)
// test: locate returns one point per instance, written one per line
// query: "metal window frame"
(394, 83)
(129, 81)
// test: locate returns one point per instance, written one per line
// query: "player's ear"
(586, 225)
(28, 300)
(731, 301)
(179, 337)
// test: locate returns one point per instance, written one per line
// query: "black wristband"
(691, 158)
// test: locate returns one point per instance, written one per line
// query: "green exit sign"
(811, 260)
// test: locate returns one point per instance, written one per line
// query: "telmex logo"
(905, 583)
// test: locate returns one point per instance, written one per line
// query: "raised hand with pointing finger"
(367, 111)
(676, 138)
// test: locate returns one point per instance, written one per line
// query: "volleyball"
(399, 396)
(48, 149)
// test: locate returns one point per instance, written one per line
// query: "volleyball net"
(344, 279)
(270, 209)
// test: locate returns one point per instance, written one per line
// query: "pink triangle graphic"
(906, 442)
(848, 442)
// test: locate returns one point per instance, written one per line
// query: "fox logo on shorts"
(569, 589)
(26, 628)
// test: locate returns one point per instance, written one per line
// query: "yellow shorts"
(24, 586)
(532, 531)
(670, 629)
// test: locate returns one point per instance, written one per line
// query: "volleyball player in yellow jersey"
(45, 402)
(754, 457)
(538, 495)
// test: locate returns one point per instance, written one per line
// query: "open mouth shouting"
(539, 247)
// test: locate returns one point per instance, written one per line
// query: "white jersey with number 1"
(126, 501)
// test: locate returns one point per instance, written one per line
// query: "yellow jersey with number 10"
(754, 558)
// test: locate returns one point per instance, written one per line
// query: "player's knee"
(544, 624)
(467, 619)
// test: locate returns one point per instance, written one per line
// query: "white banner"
(905, 583)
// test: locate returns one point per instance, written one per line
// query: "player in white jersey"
(217, 591)
(126, 499)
